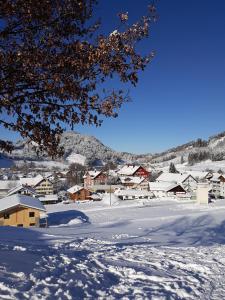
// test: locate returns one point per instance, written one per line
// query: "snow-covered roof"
(132, 179)
(199, 174)
(32, 181)
(74, 189)
(49, 198)
(48, 175)
(19, 188)
(93, 174)
(20, 200)
(162, 186)
(216, 177)
(128, 170)
(110, 199)
(173, 177)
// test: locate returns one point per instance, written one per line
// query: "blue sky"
(181, 94)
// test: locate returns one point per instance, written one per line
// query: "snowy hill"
(199, 154)
(84, 149)
(78, 148)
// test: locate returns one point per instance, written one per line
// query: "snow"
(32, 181)
(49, 198)
(161, 186)
(203, 166)
(48, 164)
(8, 184)
(74, 189)
(76, 158)
(172, 177)
(110, 199)
(198, 174)
(164, 250)
(93, 174)
(131, 179)
(128, 170)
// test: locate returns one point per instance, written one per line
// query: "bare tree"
(53, 65)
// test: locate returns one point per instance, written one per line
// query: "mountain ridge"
(89, 150)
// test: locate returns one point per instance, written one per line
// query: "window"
(6, 216)
(31, 214)
(19, 225)
(32, 224)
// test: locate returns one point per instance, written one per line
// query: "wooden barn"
(20, 210)
(77, 193)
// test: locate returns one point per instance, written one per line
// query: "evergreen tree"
(172, 168)
(182, 159)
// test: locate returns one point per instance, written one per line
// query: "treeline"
(199, 156)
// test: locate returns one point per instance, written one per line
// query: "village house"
(200, 176)
(134, 182)
(49, 199)
(92, 178)
(21, 211)
(23, 190)
(165, 189)
(77, 192)
(218, 185)
(42, 185)
(131, 170)
(188, 182)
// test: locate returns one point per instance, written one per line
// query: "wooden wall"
(20, 215)
(81, 195)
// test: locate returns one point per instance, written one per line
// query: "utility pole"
(110, 189)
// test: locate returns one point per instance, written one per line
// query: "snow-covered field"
(160, 250)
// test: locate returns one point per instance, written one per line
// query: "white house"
(188, 182)
(23, 190)
(218, 185)
(165, 189)
(134, 182)
(200, 175)
(42, 185)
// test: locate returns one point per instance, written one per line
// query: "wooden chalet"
(77, 193)
(21, 211)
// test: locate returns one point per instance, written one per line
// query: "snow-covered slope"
(207, 153)
(78, 148)
(166, 250)
(76, 158)
(85, 149)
